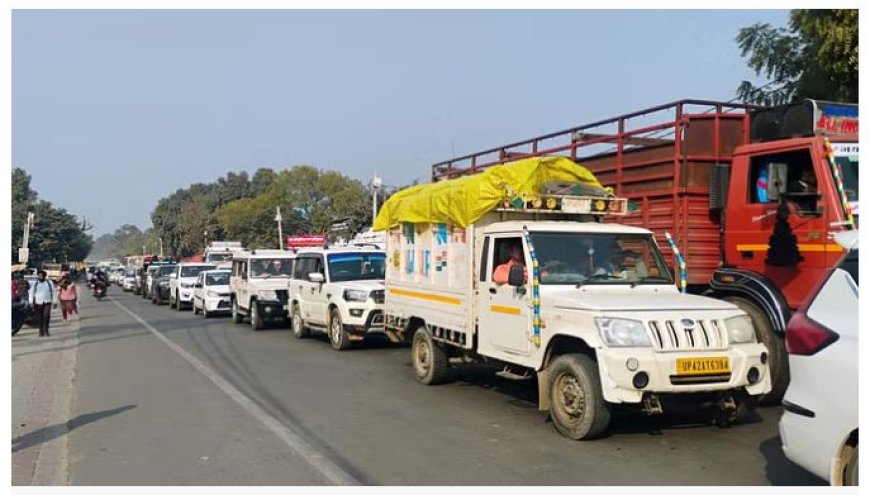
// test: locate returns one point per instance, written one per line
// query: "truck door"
(791, 252)
(505, 317)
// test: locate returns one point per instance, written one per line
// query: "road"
(162, 397)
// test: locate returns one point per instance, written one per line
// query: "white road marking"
(317, 459)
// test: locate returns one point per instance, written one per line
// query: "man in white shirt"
(42, 296)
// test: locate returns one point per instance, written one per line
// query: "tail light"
(805, 336)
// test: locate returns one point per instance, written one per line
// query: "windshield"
(846, 155)
(193, 271)
(356, 266)
(218, 257)
(271, 267)
(130, 273)
(164, 271)
(218, 278)
(572, 258)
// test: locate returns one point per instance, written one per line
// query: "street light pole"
(376, 187)
(161, 246)
(278, 219)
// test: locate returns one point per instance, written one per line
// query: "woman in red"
(69, 295)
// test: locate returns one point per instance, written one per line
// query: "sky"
(113, 110)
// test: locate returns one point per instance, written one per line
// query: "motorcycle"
(99, 290)
(22, 312)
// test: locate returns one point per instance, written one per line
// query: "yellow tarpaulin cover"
(464, 200)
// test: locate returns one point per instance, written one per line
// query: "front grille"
(282, 295)
(668, 335)
(695, 379)
(378, 296)
(223, 304)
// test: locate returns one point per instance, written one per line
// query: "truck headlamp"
(622, 332)
(740, 329)
(267, 295)
(355, 295)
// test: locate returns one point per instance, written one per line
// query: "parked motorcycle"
(22, 312)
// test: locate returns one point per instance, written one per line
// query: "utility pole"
(24, 254)
(376, 187)
(278, 219)
(161, 246)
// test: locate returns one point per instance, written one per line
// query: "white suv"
(258, 286)
(819, 425)
(181, 283)
(340, 292)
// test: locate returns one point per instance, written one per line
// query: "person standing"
(68, 295)
(42, 297)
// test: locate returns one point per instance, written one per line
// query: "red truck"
(751, 195)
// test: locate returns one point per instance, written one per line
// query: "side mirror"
(316, 277)
(517, 276)
(777, 178)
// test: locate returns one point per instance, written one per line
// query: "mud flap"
(543, 390)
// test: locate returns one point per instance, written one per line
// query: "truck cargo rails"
(753, 196)
(514, 266)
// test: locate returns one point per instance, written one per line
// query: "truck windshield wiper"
(648, 279)
(599, 276)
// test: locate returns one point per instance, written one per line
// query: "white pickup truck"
(539, 286)
(338, 291)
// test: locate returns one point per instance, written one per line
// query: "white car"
(259, 286)
(211, 293)
(819, 425)
(181, 283)
(129, 280)
(340, 292)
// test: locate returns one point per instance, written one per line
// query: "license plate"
(703, 366)
(576, 205)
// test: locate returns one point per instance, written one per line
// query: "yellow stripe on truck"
(426, 296)
(812, 248)
(508, 310)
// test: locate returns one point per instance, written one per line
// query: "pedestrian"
(42, 297)
(69, 295)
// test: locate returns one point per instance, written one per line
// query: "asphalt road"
(168, 398)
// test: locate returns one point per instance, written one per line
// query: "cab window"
(801, 182)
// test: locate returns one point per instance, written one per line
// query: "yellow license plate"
(703, 366)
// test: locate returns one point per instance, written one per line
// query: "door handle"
(493, 290)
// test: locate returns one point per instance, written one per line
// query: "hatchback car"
(211, 293)
(819, 425)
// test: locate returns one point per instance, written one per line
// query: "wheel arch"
(755, 288)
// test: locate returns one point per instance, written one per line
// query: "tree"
(816, 57)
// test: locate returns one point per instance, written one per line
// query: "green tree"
(816, 57)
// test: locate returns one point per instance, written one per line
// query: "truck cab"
(339, 292)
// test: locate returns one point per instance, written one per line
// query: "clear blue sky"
(128, 106)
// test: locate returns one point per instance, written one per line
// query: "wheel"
(576, 403)
(194, 308)
(204, 311)
(256, 321)
(236, 315)
(850, 474)
(298, 324)
(178, 306)
(338, 336)
(430, 361)
(777, 356)
(16, 325)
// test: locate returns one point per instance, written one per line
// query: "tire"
(300, 331)
(236, 316)
(193, 307)
(577, 405)
(178, 306)
(338, 336)
(428, 360)
(256, 321)
(16, 326)
(850, 474)
(775, 343)
(204, 311)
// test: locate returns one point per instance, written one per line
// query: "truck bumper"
(618, 380)
(370, 322)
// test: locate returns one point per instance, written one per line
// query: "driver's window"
(507, 252)
(801, 182)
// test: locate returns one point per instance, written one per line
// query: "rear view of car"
(819, 425)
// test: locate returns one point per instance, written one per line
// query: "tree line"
(56, 236)
(241, 207)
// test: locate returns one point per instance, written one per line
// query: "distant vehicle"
(158, 282)
(181, 283)
(819, 425)
(211, 292)
(339, 292)
(259, 286)
(128, 282)
(220, 253)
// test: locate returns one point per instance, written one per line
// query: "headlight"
(740, 330)
(164, 283)
(355, 295)
(211, 293)
(621, 332)
(268, 295)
